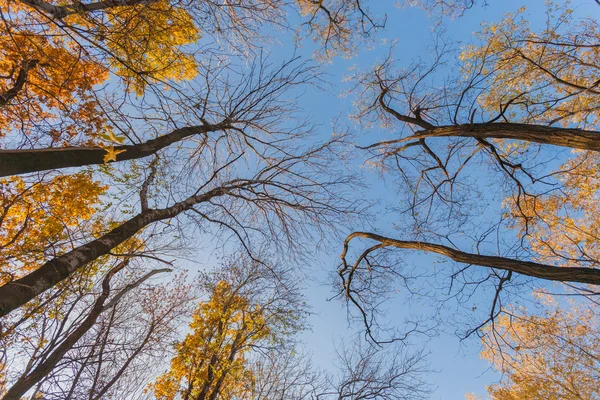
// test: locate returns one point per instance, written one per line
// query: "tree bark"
(19, 82)
(541, 271)
(564, 137)
(15, 162)
(16, 293)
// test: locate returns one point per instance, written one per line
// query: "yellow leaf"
(111, 154)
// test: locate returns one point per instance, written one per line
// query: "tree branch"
(24, 383)
(18, 292)
(564, 137)
(19, 82)
(541, 271)
(133, 285)
(60, 12)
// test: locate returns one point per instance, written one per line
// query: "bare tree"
(361, 372)
(283, 374)
(476, 156)
(283, 188)
(57, 348)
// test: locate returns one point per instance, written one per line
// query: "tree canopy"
(139, 136)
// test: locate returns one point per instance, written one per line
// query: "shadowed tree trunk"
(15, 162)
(20, 291)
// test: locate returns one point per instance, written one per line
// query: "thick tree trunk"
(16, 293)
(565, 137)
(541, 271)
(15, 162)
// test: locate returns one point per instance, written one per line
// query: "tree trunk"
(564, 137)
(18, 292)
(15, 162)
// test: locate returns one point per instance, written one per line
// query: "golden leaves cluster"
(550, 356)
(563, 226)
(40, 217)
(145, 42)
(52, 74)
(222, 329)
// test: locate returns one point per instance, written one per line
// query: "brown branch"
(60, 12)
(16, 293)
(19, 82)
(417, 120)
(23, 384)
(564, 137)
(540, 271)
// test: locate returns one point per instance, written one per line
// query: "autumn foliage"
(549, 356)
(135, 134)
(201, 368)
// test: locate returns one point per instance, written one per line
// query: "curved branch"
(540, 271)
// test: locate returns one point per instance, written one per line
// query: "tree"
(137, 48)
(361, 372)
(39, 217)
(87, 84)
(367, 372)
(74, 118)
(281, 188)
(242, 345)
(283, 373)
(548, 356)
(56, 349)
(250, 306)
(520, 100)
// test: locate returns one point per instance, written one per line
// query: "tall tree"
(282, 188)
(361, 372)
(56, 348)
(243, 345)
(249, 306)
(85, 84)
(61, 117)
